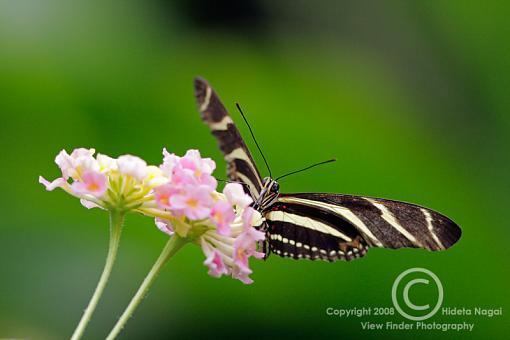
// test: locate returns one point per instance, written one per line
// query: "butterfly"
(320, 225)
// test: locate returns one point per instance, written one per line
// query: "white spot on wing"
(222, 125)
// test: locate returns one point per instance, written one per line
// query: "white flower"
(106, 163)
(155, 176)
(81, 160)
(132, 166)
(236, 195)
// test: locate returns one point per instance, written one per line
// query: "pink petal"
(203, 194)
(178, 201)
(256, 235)
(183, 176)
(208, 181)
(215, 264)
(92, 183)
(50, 186)
(241, 261)
(89, 205)
(224, 229)
(247, 217)
(165, 226)
(245, 246)
(197, 213)
(82, 152)
(222, 216)
(170, 161)
(163, 195)
(208, 165)
(242, 276)
(247, 241)
(191, 160)
(195, 201)
(214, 261)
(65, 163)
(83, 160)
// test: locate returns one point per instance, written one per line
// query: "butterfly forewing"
(240, 165)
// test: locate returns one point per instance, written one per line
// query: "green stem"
(172, 246)
(116, 221)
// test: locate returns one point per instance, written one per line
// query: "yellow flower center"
(218, 215)
(192, 203)
(164, 200)
(240, 253)
(93, 187)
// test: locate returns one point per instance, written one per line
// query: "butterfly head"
(271, 185)
(268, 194)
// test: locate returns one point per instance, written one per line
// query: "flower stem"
(116, 221)
(172, 246)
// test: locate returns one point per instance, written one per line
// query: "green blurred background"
(411, 97)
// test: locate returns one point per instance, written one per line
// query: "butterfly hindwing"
(303, 232)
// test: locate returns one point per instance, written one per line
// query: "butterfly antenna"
(308, 167)
(255, 140)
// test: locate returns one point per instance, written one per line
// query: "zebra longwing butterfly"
(321, 225)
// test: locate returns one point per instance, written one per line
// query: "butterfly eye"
(275, 187)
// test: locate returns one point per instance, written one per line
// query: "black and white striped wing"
(240, 164)
(335, 226)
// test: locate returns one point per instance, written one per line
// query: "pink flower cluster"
(92, 176)
(230, 238)
(189, 191)
(181, 194)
